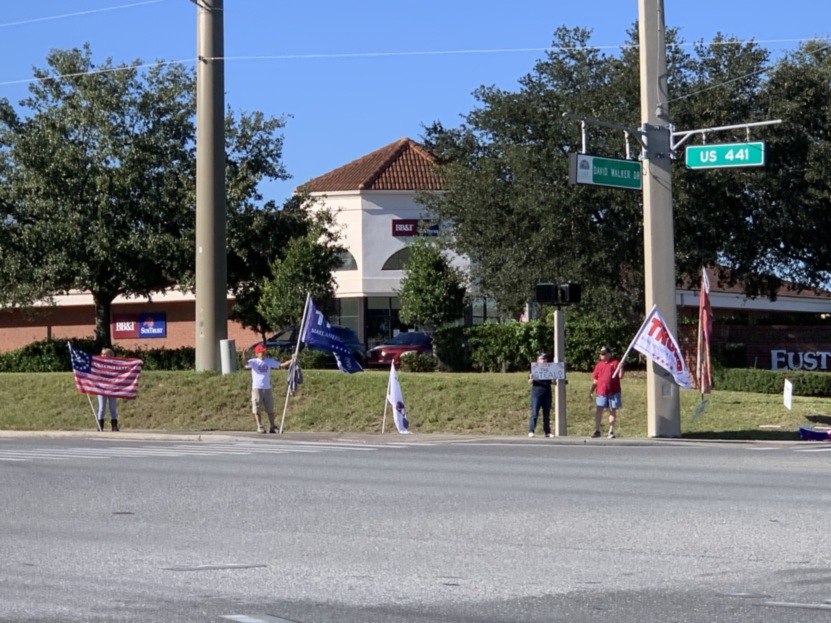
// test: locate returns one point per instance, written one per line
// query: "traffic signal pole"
(662, 400)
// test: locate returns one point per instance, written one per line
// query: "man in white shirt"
(261, 398)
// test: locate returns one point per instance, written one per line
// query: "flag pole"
(296, 351)
(386, 403)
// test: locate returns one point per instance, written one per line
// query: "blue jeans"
(540, 399)
(103, 401)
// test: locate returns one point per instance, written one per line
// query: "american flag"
(108, 376)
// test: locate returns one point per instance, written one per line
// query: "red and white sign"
(656, 342)
(404, 228)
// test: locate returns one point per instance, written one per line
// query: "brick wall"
(21, 327)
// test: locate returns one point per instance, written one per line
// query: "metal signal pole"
(662, 400)
(211, 259)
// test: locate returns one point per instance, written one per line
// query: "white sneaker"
(530, 434)
(550, 435)
(260, 429)
(611, 435)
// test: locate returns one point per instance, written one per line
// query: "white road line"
(49, 455)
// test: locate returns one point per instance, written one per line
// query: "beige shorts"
(261, 400)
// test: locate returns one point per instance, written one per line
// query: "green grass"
(486, 404)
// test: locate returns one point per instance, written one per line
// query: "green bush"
(183, 358)
(310, 359)
(451, 347)
(513, 346)
(817, 384)
(53, 356)
(43, 356)
(418, 362)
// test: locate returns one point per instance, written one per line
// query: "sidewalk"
(377, 438)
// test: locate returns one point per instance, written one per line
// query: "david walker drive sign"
(597, 171)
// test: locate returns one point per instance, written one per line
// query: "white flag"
(656, 342)
(396, 400)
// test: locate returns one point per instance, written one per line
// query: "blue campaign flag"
(318, 333)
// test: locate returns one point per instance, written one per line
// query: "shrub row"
(513, 346)
(816, 384)
(53, 356)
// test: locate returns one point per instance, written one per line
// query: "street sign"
(725, 155)
(597, 171)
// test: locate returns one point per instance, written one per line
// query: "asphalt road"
(412, 529)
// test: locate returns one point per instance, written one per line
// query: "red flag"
(107, 376)
(705, 329)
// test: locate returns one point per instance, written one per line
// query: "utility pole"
(211, 258)
(662, 400)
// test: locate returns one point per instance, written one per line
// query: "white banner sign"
(548, 371)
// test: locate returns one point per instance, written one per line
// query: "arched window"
(347, 261)
(397, 260)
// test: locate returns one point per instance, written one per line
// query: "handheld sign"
(548, 371)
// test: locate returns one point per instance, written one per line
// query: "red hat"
(259, 348)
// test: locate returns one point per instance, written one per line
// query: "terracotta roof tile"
(402, 165)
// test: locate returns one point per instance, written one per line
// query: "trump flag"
(107, 376)
(318, 333)
(656, 342)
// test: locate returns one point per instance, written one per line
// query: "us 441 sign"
(725, 155)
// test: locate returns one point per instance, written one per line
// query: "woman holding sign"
(540, 396)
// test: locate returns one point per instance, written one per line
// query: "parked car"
(285, 341)
(402, 344)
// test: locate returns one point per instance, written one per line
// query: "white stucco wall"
(366, 218)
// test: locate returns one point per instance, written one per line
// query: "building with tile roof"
(374, 200)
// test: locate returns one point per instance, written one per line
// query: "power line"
(65, 15)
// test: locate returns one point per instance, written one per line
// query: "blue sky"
(357, 75)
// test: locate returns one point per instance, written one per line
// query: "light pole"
(662, 399)
(211, 259)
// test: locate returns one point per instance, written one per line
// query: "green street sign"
(597, 171)
(725, 155)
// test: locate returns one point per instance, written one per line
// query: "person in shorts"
(607, 387)
(261, 398)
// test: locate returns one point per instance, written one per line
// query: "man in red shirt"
(608, 390)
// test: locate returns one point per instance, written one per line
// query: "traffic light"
(557, 294)
(569, 293)
(546, 293)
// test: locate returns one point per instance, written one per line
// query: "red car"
(410, 342)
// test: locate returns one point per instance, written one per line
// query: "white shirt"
(261, 371)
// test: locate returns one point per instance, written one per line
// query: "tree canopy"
(305, 267)
(97, 186)
(432, 291)
(515, 215)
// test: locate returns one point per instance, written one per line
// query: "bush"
(43, 356)
(817, 384)
(313, 359)
(418, 362)
(513, 346)
(451, 347)
(53, 356)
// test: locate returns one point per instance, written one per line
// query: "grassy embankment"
(487, 404)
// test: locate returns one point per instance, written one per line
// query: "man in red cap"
(261, 398)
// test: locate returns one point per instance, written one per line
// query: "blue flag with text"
(318, 333)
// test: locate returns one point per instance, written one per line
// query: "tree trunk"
(103, 317)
